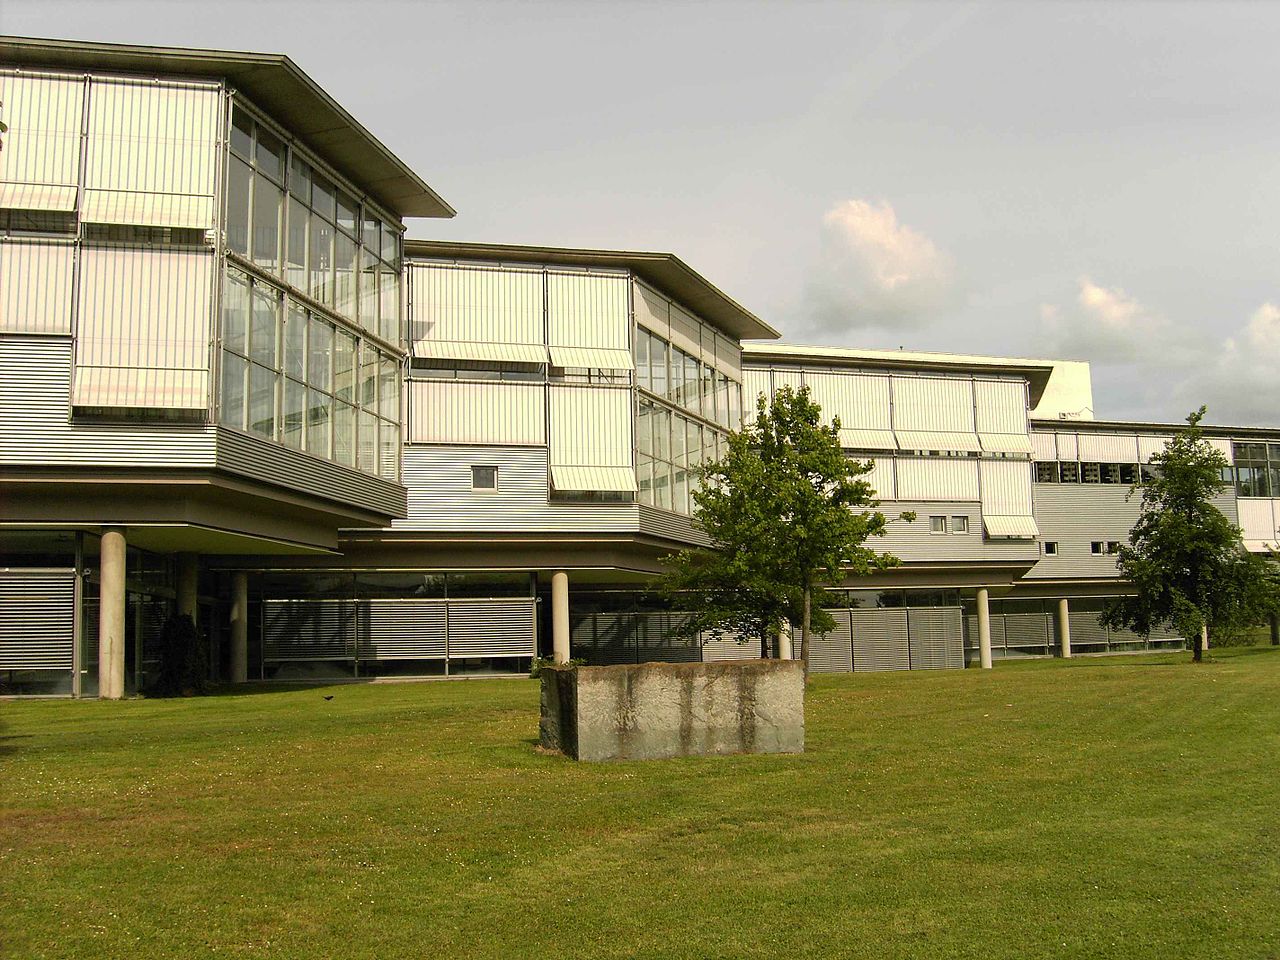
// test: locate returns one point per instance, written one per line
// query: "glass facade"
(1257, 469)
(685, 411)
(300, 365)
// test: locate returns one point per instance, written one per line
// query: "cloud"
(876, 272)
(1243, 385)
(1106, 325)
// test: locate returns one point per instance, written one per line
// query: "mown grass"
(1123, 807)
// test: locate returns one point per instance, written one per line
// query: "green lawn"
(1123, 807)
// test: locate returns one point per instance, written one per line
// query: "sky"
(1092, 181)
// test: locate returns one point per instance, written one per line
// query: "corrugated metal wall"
(35, 285)
(933, 404)
(152, 153)
(1259, 519)
(35, 418)
(880, 640)
(588, 310)
(446, 411)
(144, 328)
(937, 478)
(461, 304)
(1006, 488)
(37, 620)
(40, 162)
(591, 426)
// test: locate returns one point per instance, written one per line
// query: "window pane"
(644, 429)
(369, 296)
(242, 133)
(344, 433)
(692, 385)
(390, 247)
(372, 233)
(239, 177)
(345, 253)
(265, 330)
(680, 492)
(735, 405)
(319, 354)
(348, 219)
(321, 261)
(300, 179)
(296, 262)
(293, 414)
(693, 443)
(389, 309)
(368, 452)
(262, 401)
(344, 366)
(389, 392)
(369, 380)
(642, 359)
(662, 484)
(322, 196)
(231, 401)
(388, 450)
(295, 342)
(235, 312)
(662, 434)
(267, 200)
(644, 479)
(318, 433)
(270, 154)
(679, 456)
(658, 366)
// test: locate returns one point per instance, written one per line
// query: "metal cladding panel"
(438, 479)
(492, 628)
(154, 137)
(42, 147)
(401, 629)
(880, 640)
(937, 478)
(1044, 446)
(787, 378)
(881, 478)
(657, 638)
(1108, 447)
(933, 404)
(1258, 519)
(1149, 446)
(35, 418)
(464, 304)
(588, 310)
(144, 328)
(673, 526)
(591, 426)
(37, 620)
(937, 638)
(268, 462)
(1029, 629)
(1000, 406)
(448, 411)
(1074, 515)
(308, 630)
(652, 309)
(728, 358)
(730, 648)
(1006, 488)
(830, 652)
(998, 633)
(1223, 446)
(754, 383)
(35, 286)
(860, 400)
(686, 332)
(1086, 629)
(1068, 446)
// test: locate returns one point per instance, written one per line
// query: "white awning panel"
(37, 196)
(594, 479)
(1005, 442)
(922, 440)
(1015, 528)
(140, 388)
(867, 439)
(481, 352)
(148, 209)
(594, 357)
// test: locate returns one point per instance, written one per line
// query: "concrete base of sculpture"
(648, 711)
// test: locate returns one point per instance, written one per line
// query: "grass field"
(1123, 807)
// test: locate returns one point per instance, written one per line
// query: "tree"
(1185, 558)
(787, 513)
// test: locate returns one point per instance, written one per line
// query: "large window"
(295, 223)
(666, 371)
(293, 376)
(670, 448)
(1257, 469)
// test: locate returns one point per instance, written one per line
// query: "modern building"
(230, 388)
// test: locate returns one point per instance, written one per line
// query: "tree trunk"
(805, 627)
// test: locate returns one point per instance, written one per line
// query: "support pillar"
(784, 642)
(984, 628)
(1064, 628)
(189, 586)
(560, 616)
(1204, 638)
(111, 614)
(239, 627)
(1275, 629)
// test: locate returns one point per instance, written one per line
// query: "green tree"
(1185, 558)
(788, 514)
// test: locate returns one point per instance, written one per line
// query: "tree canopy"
(787, 513)
(1185, 558)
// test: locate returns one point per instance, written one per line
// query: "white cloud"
(876, 272)
(1106, 325)
(1243, 385)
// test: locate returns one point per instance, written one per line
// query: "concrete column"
(1064, 628)
(189, 585)
(784, 642)
(560, 616)
(984, 629)
(111, 614)
(1275, 630)
(1204, 637)
(239, 627)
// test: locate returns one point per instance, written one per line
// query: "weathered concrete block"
(651, 710)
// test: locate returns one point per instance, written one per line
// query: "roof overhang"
(1149, 426)
(272, 82)
(1035, 372)
(664, 271)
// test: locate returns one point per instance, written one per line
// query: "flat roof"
(1152, 426)
(1036, 372)
(665, 271)
(274, 83)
